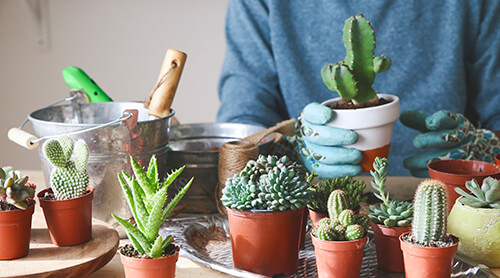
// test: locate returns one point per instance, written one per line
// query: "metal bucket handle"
(31, 142)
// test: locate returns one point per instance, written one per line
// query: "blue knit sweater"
(445, 55)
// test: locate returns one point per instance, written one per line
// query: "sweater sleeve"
(248, 86)
(484, 67)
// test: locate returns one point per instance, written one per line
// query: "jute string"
(234, 155)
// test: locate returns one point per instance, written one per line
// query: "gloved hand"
(451, 136)
(320, 146)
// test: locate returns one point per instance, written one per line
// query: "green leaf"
(141, 177)
(176, 200)
(153, 172)
(136, 233)
(166, 242)
(136, 244)
(172, 176)
(156, 250)
(130, 198)
(155, 217)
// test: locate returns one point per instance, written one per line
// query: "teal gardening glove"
(320, 146)
(451, 136)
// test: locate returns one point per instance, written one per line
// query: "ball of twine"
(233, 157)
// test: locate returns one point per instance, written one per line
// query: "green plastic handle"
(79, 80)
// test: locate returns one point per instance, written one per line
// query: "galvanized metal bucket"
(113, 131)
(197, 147)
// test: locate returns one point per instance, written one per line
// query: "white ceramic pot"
(373, 126)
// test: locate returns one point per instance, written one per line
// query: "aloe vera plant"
(353, 77)
(146, 197)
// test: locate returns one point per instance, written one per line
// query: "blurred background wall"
(119, 43)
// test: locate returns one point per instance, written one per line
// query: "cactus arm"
(81, 151)
(66, 145)
(359, 42)
(338, 77)
(337, 202)
(54, 153)
(381, 63)
(176, 200)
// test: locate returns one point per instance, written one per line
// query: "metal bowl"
(197, 147)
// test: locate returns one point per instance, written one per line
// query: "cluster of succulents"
(353, 78)
(15, 188)
(486, 195)
(430, 214)
(342, 223)
(68, 179)
(322, 190)
(146, 197)
(268, 183)
(391, 213)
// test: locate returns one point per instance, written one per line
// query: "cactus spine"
(353, 78)
(68, 179)
(430, 212)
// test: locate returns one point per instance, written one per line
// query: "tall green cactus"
(353, 78)
(337, 202)
(68, 179)
(430, 212)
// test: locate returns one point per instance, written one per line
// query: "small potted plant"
(388, 220)
(475, 219)
(67, 203)
(360, 107)
(265, 203)
(321, 191)
(339, 240)
(428, 250)
(16, 210)
(149, 255)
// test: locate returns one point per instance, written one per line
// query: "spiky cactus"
(268, 183)
(69, 178)
(146, 197)
(322, 190)
(353, 78)
(485, 196)
(391, 213)
(430, 214)
(15, 188)
(342, 224)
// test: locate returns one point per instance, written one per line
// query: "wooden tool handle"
(164, 91)
(22, 138)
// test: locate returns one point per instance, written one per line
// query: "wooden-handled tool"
(163, 94)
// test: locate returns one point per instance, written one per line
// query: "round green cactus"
(337, 202)
(346, 217)
(354, 232)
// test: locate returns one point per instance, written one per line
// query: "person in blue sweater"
(445, 65)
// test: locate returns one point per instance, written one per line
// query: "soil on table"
(129, 251)
(348, 104)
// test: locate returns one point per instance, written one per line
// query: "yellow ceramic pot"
(479, 232)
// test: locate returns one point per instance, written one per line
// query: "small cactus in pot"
(69, 178)
(68, 209)
(15, 189)
(428, 250)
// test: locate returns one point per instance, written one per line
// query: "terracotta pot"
(427, 262)
(338, 259)
(303, 228)
(479, 232)
(373, 126)
(266, 243)
(69, 221)
(15, 232)
(497, 159)
(163, 267)
(389, 254)
(455, 172)
(316, 217)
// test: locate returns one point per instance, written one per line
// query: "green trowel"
(77, 79)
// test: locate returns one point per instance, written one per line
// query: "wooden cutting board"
(48, 260)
